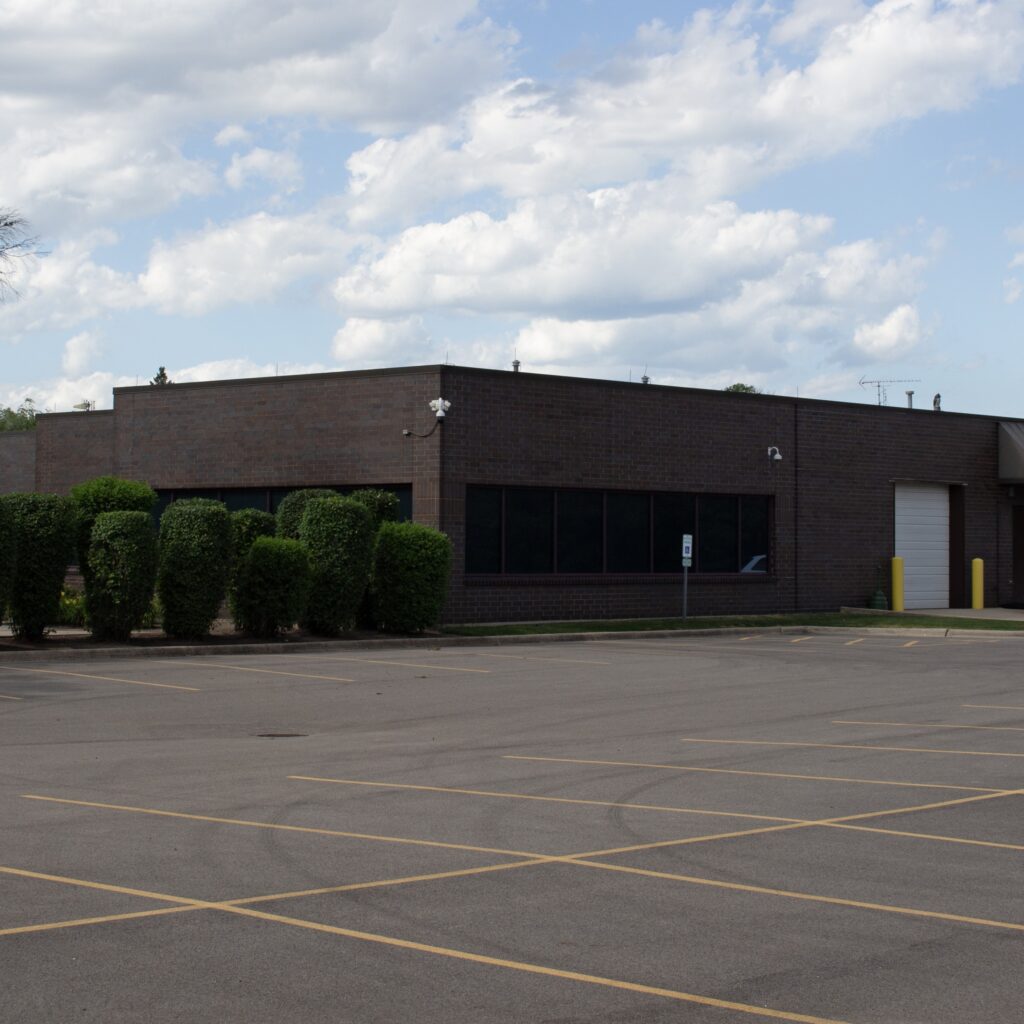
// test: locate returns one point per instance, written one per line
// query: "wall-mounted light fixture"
(439, 406)
(774, 455)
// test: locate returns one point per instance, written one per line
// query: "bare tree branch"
(15, 243)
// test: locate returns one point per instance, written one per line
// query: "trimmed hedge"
(382, 505)
(338, 535)
(123, 563)
(412, 564)
(44, 531)
(272, 582)
(105, 494)
(8, 550)
(246, 525)
(293, 507)
(195, 558)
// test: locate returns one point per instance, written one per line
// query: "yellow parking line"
(455, 954)
(810, 897)
(81, 921)
(545, 799)
(850, 643)
(997, 707)
(405, 664)
(801, 639)
(551, 972)
(525, 657)
(3, 696)
(737, 771)
(86, 675)
(272, 897)
(930, 836)
(932, 725)
(274, 672)
(852, 746)
(279, 827)
(911, 643)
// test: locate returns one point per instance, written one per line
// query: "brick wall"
(17, 461)
(832, 491)
(72, 447)
(276, 432)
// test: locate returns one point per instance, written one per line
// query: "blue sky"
(798, 194)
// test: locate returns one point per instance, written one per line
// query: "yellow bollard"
(977, 582)
(897, 584)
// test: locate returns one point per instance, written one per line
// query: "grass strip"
(855, 620)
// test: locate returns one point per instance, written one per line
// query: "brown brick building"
(567, 498)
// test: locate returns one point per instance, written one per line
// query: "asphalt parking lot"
(721, 829)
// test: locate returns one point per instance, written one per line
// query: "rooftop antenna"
(645, 379)
(515, 361)
(882, 386)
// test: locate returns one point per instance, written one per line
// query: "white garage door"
(922, 541)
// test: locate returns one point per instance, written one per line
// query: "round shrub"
(105, 494)
(338, 536)
(44, 537)
(123, 562)
(8, 549)
(410, 577)
(246, 525)
(271, 586)
(195, 557)
(293, 507)
(383, 508)
(382, 505)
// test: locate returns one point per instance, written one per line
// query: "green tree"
(743, 389)
(22, 418)
(161, 377)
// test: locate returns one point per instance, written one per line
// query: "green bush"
(383, 508)
(271, 586)
(71, 611)
(195, 558)
(382, 505)
(292, 508)
(44, 536)
(410, 577)
(105, 494)
(338, 536)
(246, 525)
(123, 562)
(8, 550)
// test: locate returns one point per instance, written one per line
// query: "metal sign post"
(687, 562)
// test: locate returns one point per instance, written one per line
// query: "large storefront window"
(541, 530)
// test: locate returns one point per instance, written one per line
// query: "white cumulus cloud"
(891, 337)
(281, 167)
(365, 342)
(79, 351)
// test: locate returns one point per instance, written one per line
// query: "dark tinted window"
(580, 531)
(628, 533)
(754, 533)
(483, 529)
(674, 515)
(529, 530)
(237, 499)
(717, 534)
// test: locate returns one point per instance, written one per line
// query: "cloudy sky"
(798, 194)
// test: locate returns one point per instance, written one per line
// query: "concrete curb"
(87, 653)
